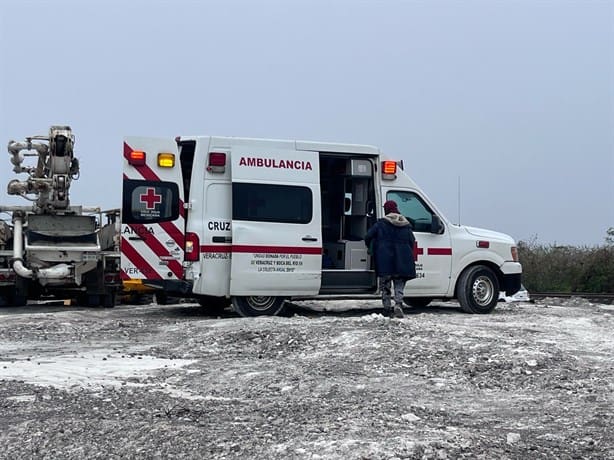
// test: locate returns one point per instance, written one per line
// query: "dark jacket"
(393, 244)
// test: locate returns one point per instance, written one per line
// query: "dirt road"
(528, 381)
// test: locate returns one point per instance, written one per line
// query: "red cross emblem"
(150, 198)
(417, 251)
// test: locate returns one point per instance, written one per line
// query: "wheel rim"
(260, 303)
(483, 290)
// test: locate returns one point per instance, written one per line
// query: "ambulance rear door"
(152, 232)
(276, 220)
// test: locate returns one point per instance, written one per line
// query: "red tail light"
(217, 162)
(192, 247)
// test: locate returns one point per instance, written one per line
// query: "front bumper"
(512, 277)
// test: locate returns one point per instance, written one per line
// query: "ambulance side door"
(276, 222)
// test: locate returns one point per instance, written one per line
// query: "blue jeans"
(387, 283)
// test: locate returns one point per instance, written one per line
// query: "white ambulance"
(254, 222)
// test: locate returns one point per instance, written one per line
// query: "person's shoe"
(387, 312)
(398, 312)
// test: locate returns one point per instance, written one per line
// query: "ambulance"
(255, 222)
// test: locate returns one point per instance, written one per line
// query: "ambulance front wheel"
(478, 290)
(258, 305)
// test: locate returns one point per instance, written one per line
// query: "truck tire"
(258, 305)
(108, 300)
(417, 302)
(19, 300)
(478, 290)
(161, 298)
(19, 297)
(4, 298)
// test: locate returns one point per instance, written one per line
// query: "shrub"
(551, 268)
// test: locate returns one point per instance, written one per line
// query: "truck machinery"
(52, 248)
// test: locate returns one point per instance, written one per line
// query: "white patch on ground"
(89, 370)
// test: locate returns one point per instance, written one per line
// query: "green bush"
(551, 268)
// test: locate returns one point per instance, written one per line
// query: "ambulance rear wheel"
(478, 290)
(258, 305)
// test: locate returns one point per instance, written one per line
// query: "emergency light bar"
(136, 158)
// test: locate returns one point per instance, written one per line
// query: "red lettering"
(258, 162)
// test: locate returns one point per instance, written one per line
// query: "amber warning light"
(136, 158)
(166, 160)
(389, 170)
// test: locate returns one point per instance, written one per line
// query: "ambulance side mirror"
(436, 225)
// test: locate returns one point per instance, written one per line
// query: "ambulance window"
(149, 201)
(186, 158)
(412, 207)
(272, 203)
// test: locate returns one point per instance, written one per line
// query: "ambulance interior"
(348, 211)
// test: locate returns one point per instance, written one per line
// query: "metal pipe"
(15, 147)
(17, 157)
(58, 271)
(18, 266)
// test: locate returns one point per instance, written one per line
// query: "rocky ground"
(332, 380)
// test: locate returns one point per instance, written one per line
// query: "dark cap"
(391, 206)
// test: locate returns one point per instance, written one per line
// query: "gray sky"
(514, 98)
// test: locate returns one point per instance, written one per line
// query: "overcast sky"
(513, 100)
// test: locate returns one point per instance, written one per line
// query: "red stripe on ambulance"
(276, 249)
(260, 249)
(220, 248)
(138, 261)
(439, 251)
(158, 248)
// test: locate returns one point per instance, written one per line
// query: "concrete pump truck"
(52, 248)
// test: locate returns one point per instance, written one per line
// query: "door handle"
(309, 238)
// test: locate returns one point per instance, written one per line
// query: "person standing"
(391, 240)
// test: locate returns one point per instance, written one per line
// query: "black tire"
(161, 298)
(213, 304)
(136, 298)
(417, 302)
(18, 300)
(88, 300)
(108, 300)
(4, 299)
(19, 297)
(478, 290)
(258, 305)
(92, 300)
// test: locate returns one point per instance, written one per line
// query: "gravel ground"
(331, 380)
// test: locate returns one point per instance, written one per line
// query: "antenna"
(459, 200)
